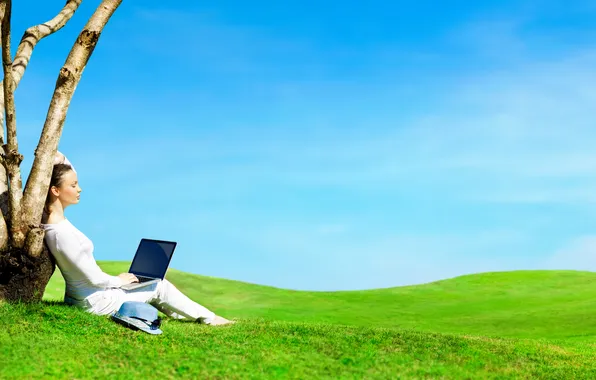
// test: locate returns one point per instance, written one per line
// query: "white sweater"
(74, 256)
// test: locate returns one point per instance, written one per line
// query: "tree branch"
(28, 42)
(68, 79)
(35, 33)
(11, 150)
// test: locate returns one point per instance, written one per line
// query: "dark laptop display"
(152, 258)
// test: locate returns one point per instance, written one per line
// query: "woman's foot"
(215, 321)
(219, 321)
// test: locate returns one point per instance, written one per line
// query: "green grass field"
(525, 324)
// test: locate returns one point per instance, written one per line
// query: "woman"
(87, 286)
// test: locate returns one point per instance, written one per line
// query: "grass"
(526, 324)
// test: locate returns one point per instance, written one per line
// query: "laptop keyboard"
(144, 279)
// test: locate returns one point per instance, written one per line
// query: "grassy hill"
(521, 304)
(537, 324)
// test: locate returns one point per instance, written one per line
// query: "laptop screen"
(152, 258)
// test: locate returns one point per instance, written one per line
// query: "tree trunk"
(24, 278)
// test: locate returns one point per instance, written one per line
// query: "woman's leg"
(170, 301)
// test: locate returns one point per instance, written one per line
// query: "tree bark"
(21, 277)
(12, 157)
(24, 278)
(4, 236)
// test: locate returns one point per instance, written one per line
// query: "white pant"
(163, 295)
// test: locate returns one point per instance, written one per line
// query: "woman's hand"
(128, 278)
(59, 158)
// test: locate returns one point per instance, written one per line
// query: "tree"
(25, 262)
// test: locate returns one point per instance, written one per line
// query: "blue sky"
(331, 146)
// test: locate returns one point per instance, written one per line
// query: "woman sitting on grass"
(87, 286)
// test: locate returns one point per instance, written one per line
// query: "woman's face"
(69, 191)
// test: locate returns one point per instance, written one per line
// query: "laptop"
(150, 262)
